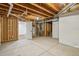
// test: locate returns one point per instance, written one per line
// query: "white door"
(29, 30)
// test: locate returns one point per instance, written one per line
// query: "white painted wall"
(29, 30)
(69, 30)
(55, 29)
(22, 28)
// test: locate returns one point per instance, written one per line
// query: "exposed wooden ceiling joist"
(22, 18)
(42, 8)
(19, 9)
(2, 12)
(17, 16)
(6, 10)
(35, 14)
(52, 6)
(32, 10)
(37, 9)
(44, 5)
(14, 9)
(33, 17)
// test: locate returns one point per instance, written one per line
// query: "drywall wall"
(22, 28)
(55, 29)
(29, 30)
(69, 30)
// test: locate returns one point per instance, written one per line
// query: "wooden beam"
(3, 9)
(22, 18)
(17, 16)
(33, 17)
(28, 19)
(34, 14)
(25, 12)
(13, 7)
(7, 10)
(32, 10)
(52, 6)
(42, 8)
(18, 9)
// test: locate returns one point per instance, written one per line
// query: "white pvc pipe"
(10, 9)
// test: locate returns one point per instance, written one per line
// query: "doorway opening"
(44, 29)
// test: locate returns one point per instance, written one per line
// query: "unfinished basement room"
(39, 29)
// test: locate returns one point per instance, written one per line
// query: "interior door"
(29, 30)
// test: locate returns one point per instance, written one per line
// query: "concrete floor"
(41, 46)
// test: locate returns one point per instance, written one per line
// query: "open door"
(29, 30)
